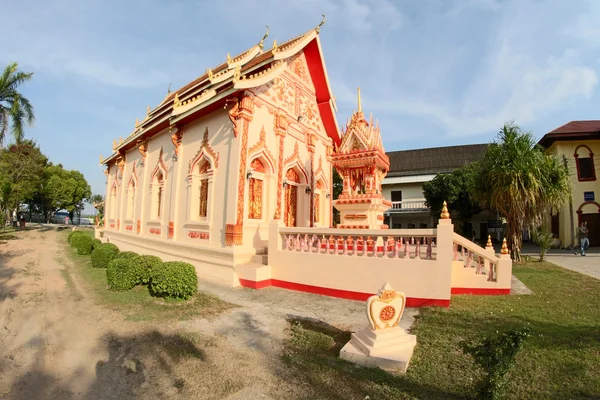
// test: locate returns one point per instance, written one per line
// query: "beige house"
(204, 172)
(577, 142)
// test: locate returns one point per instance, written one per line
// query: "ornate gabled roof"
(361, 139)
(249, 69)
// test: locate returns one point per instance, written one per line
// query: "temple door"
(291, 198)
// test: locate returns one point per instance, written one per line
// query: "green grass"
(561, 360)
(135, 304)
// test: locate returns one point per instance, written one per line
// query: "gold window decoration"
(316, 206)
(203, 197)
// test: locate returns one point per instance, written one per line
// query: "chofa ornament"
(385, 309)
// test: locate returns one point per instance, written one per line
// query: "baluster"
(395, 254)
(462, 252)
(312, 243)
(455, 249)
(385, 247)
(429, 256)
(418, 250)
(469, 259)
(364, 246)
(354, 246)
(406, 254)
(479, 266)
(335, 245)
(327, 244)
(287, 242)
(345, 247)
(376, 247)
(412, 240)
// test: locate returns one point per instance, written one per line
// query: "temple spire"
(359, 106)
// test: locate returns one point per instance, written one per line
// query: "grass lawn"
(560, 361)
(135, 304)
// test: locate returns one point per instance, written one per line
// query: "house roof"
(433, 160)
(250, 69)
(574, 130)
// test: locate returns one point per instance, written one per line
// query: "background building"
(577, 142)
(410, 169)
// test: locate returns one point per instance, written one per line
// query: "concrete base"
(389, 349)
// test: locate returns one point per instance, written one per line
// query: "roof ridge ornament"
(318, 28)
(169, 88)
(359, 105)
(229, 60)
(274, 48)
(262, 41)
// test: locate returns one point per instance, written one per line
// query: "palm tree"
(14, 108)
(520, 181)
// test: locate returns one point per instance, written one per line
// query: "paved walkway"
(588, 265)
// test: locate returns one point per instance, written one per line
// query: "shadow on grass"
(312, 354)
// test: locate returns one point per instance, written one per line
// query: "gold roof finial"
(445, 214)
(359, 105)
(121, 141)
(489, 241)
(176, 102)
(274, 48)
(318, 28)
(169, 89)
(114, 144)
(262, 41)
(209, 73)
(148, 110)
(504, 247)
(228, 58)
(101, 158)
(137, 123)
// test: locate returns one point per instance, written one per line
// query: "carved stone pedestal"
(383, 344)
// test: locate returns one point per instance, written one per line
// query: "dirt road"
(55, 343)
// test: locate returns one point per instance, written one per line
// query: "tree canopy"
(15, 109)
(456, 189)
(520, 181)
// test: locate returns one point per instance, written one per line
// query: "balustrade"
(393, 243)
(473, 256)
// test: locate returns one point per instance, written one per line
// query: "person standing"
(584, 241)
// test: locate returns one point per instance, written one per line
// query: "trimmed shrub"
(72, 235)
(119, 275)
(96, 243)
(127, 254)
(104, 254)
(143, 266)
(174, 279)
(83, 244)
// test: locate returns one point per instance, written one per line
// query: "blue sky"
(434, 72)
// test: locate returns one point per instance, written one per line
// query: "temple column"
(280, 127)
(311, 150)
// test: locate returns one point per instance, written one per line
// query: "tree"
(338, 186)
(456, 189)
(15, 110)
(22, 166)
(520, 181)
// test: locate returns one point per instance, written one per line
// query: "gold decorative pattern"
(262, 41)
(255, 192)
(176, 138)
(318, 28)
(234, 113)
(143, 147)
(205, 151)
(203, 198)
(261, 147)
(489, 242)
(317, 203)
(160, 165)
(387, 313)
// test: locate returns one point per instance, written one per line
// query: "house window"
(113, 202)
(584, 159)
(203, 200)
(255, 190)
(396, 195)
(319, 194)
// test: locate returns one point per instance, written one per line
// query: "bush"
(104, 254)
(96, 243)
(544, 239)
(72, 235)
(83, 244)
(119, 275)
(127, 254)
(143, 266)
(174, 279)
(495, 356)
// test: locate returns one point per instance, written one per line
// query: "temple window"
(113, 202)
(158, 184)
(584, 159)
(203, 170)
(130, 199)
(255, 190)
(290, 217)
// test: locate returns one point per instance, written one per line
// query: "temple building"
(250, 141)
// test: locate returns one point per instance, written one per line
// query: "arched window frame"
(157, 193)
(579, 152)
(201, 170)
(302, 199)
(130, 194)
(260, 173)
